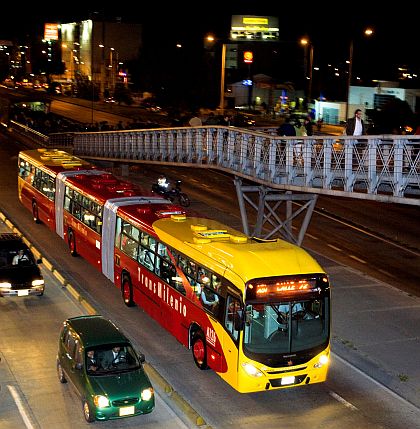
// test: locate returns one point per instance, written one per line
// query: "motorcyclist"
(163, 187)
(163, 183)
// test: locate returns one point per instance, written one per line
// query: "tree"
(122, 94)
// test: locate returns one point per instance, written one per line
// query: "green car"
(100, 362)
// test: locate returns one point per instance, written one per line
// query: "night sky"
(330, 28)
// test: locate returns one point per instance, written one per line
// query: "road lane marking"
(357, 259)
(364, 231)
(342, 401)
(377, 383)
(334, 247)
(386, 273)
(20, 406)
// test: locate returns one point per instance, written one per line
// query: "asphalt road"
(31, 396)
(356, 393)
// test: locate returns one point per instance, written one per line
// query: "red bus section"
(255, 311)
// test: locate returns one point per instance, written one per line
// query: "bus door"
(233, 322)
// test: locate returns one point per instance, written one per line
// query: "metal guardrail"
(383, 168)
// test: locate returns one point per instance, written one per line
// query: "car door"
(67, 352)
(78, 369)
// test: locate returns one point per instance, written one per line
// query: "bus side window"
(144, 239)
(182, 263)
(162, 251)
(118, 233)
(146, 258)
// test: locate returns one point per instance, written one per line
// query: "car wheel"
(35, 213)
(40, 293)
(72, 243)
(127, 291)
(87, 412)
(199, 350)
(60, 373)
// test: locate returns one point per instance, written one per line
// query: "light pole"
(222, 79)
(308, 71)
(349, 79)
(210, 41)
(367, 32)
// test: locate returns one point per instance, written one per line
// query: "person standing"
(286, 128)
(355, 126)
(308, 126)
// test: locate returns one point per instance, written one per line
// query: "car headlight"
(147, 394)
(251, 370)
(5, 285)
(101, 401)
(323, 360)
(37, 282)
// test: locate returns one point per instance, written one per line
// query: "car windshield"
(15, 258)
(111, 359)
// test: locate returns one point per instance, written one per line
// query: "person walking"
(355, 126)
(307, 123)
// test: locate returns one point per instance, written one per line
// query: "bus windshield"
(286, 326)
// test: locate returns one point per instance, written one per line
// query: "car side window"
(78, 358)
(70, 344)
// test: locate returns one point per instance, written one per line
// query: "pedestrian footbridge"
(383, 168)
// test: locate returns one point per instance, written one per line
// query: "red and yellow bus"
(37, 174)
(255, 311)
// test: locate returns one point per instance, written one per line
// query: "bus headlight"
(323, 360)
(5, 285)
(37, 282)
(101, 401)
(252, 370)
(147, 394)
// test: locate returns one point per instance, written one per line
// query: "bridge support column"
(272, 217)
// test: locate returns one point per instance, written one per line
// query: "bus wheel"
(127, 291)
(72, 243)
(199, 350)
(35, 212)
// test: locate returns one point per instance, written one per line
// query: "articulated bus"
(255, 311)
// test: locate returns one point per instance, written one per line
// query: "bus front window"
(286, 327)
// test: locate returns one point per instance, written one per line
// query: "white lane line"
(20, 406)
(343, 401)
(386, 273)
(357, 259)
(334, 247)
(377, 383)
(371, 234)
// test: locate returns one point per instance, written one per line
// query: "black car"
(19, 271)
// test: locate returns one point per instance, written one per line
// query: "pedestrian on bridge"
(355, 126)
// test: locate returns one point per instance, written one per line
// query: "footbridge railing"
(385, 168)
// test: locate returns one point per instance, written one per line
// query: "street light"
(367, 32)
(222, 80)
(308, 76)
(210, 39)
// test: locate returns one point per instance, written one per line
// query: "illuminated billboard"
(51, 32)
(254, 28)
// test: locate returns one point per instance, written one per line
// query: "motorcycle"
(172, 193)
